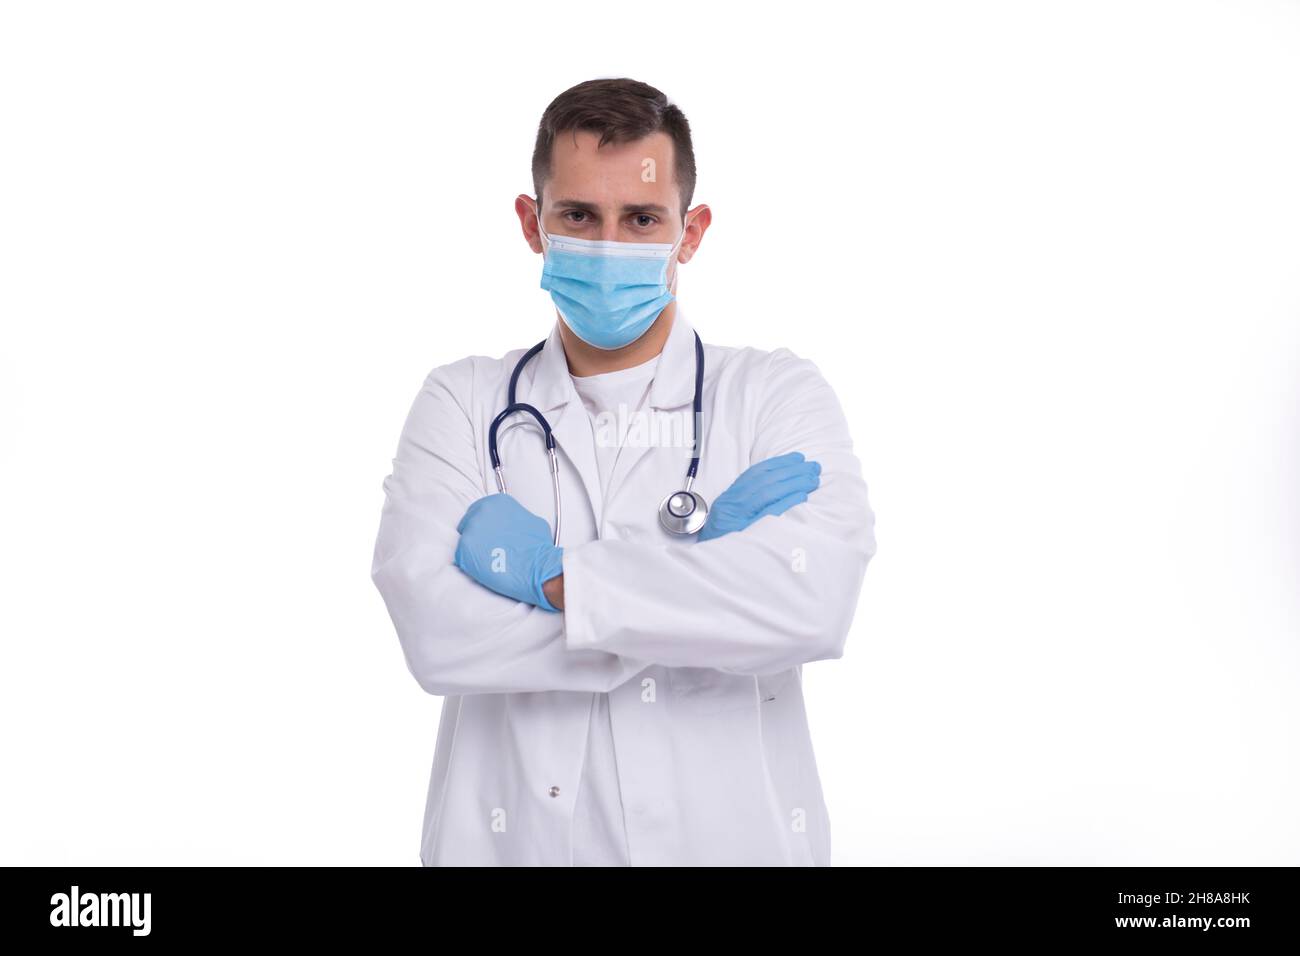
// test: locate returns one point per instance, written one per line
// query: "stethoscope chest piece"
(683, 512)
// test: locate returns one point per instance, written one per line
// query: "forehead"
(636, 172)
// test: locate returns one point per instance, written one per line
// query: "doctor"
(631, 693)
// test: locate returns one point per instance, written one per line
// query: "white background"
(1046, 253)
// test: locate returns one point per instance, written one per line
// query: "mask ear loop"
(672, 256)
(541, 230)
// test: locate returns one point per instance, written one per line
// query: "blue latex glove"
(768, 487)
(526, 558)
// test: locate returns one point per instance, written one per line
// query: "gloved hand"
(768, 487)
(526, 558)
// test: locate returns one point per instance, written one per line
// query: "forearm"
(459, 638)
(780, 593)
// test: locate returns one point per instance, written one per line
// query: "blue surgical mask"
(608, 293)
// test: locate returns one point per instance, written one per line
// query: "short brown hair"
(620, 110)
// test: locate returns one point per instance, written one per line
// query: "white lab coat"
(699, 644)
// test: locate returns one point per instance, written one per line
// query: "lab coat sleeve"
(762, 600)
(457, 636)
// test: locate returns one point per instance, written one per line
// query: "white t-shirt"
(612, 399)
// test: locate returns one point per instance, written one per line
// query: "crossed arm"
(779, 593)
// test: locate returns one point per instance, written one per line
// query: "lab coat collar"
(674, 381)
(673, 385)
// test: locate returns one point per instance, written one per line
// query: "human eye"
(576, 212)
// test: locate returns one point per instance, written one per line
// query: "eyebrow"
(628, 208)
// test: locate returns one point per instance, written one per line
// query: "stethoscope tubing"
(513, 407)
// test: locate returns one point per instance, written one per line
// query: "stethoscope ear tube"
(550, 449)
(506, 413)
(697, 407)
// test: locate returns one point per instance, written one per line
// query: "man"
(630, 694)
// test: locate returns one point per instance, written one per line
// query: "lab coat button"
(554, 791)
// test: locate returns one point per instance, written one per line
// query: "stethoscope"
(682, 512)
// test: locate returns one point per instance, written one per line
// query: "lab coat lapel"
(551, 390)
(672, 389)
